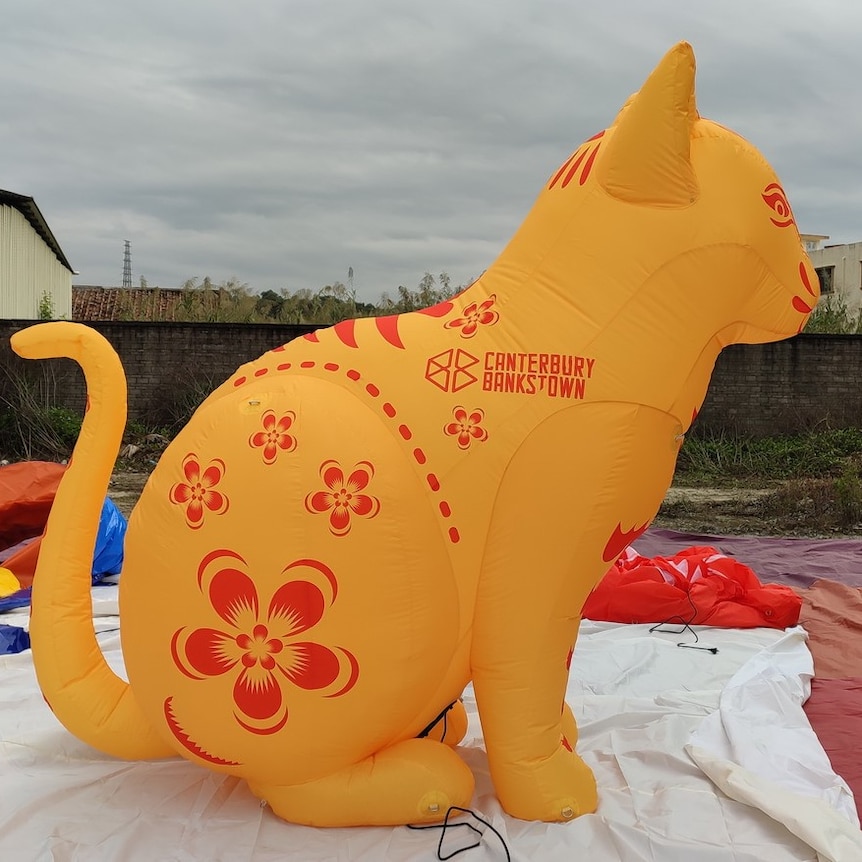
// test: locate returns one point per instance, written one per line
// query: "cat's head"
(663, 189)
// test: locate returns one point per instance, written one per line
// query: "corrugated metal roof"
(123, 303)
(27, 207)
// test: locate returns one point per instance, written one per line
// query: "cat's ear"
(647, 158)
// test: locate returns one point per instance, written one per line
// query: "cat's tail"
(88, 698)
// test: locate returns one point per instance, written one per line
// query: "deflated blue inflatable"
(108, 554)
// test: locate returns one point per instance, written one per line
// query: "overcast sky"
(284, 141)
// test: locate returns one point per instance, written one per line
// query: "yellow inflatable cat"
(359, 523)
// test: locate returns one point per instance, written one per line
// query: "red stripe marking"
(433, 481)
(588, 166)
(346, 331)
(596, 136)
(419, 455)
(306, 364)
(331, 366)
(389, 410)
(562, 170)
(261, 371)
(801, 305)
(278, 349)
(444, 509)
(372, 390)
(405, 432)
(573, 169)
(388, 328)
(312, 336)
(439, 310)
(454, 535)
(353, 374)
(239, 381)
(283, 367)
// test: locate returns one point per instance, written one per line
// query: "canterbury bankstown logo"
(450, 370)
(557, 375)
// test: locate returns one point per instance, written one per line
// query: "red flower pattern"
(263, 647)
(197, 493)
(342, 497)
(467, 427)
(274, 436)
(475, 315)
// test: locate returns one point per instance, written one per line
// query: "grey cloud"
(283, 142)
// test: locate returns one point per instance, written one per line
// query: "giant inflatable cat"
(357, 524)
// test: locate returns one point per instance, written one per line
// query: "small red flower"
(342, 497)
(274, 436)
(197, 493)
(466, 427)
(263, 648)
(475, 315)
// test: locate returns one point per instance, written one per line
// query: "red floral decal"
(776, 200)
(475, 315)
(274, 436)
(197, 493)
(466, 427)
(342, 497)
(262, 647)
(188, 743)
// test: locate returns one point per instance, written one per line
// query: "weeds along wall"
(757, 390)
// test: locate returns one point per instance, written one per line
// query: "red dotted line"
(389, 410)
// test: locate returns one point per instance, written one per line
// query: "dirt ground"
(125, 488)
(713, 511)
(720, 511)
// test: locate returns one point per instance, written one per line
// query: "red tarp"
(27, 492)
(697, 586)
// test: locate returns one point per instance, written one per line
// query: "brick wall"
(165, 363)
(795, 385)
(757, 390)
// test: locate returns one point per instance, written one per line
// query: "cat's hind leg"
(414, 781)
(450, 726)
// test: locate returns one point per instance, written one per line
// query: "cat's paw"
(557, 788)
(415, 781)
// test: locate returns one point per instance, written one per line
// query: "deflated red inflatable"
(698, 586)
(27, 492)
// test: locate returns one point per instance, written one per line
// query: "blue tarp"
(13, 639)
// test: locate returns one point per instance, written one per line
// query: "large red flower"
(274, 436)
(475, 315)
(261, 649)
(197, 493)
(342, 496)
(466, 427)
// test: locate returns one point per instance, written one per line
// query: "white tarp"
(698, 755)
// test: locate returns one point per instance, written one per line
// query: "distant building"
(35, 277)
(90, 302)
(839, 268)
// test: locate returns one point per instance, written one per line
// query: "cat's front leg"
(580, 483)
